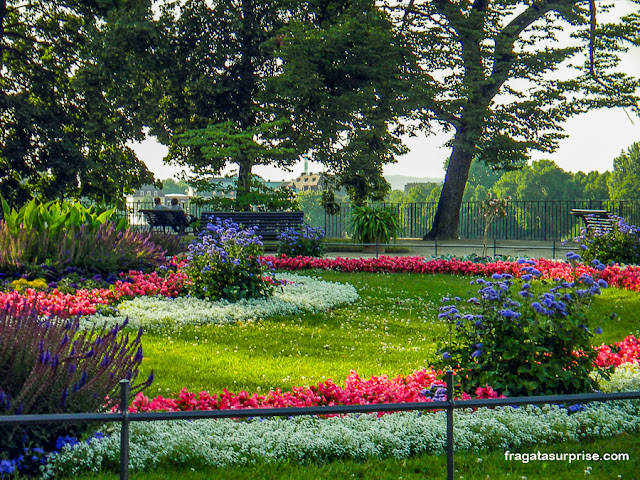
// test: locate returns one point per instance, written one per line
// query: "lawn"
(393, 329)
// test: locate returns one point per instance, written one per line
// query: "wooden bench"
(175, 219)
(268, 224)
(597, 221)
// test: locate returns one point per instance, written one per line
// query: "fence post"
(124, 432)
(450, 469)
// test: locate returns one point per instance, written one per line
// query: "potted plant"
(374, 225)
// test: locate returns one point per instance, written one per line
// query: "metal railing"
(449, 405)
(525, 220)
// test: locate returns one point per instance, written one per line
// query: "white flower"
(305, 294)
(304, 439)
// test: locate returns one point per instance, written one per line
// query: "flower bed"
(151, 300)
(421, 386)
(627, 277)
(223, 443)
(298, 294)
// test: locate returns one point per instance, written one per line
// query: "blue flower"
(446, 356)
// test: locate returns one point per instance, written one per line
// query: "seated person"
(188, 219)
(158, 205)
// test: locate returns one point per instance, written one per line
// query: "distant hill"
(399, 181)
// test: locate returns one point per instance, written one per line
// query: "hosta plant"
(58, 216)
(103, 250)
(48, 365)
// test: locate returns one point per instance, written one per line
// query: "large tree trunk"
(445, 223)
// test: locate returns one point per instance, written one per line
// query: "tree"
(345, 80)
(63, 132)
(170, 185)
(592, 185)
(481, 179)
(624, 183)
(212, 60)
(326, 74)
(492, 68)
(542, 180)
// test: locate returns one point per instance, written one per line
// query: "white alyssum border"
(302, 439)
(305, 294)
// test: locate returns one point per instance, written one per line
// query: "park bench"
(166, 218)
(269, 224)
(597, 221)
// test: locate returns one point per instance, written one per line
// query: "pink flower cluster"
(623, 277)
(357, 391)
(626, 351)
(86, 301)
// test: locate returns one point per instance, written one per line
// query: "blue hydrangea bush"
(224, 263)
(620, 245)
(519, 335)
(304, 241)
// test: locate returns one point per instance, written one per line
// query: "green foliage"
(620, 245)
(346, 76)
(48, 365)
(68, 104)
(520, 342)
(624, 183)
(224, 264)
(592, 186)
(57, 216)
(491, 79)
(260, 196)
(491, 208)
(310, 203)
(373, 224)
(542, 180)
(305, 241)
(104, 249)
(230, 142)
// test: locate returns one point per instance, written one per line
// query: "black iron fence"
(449, 405)
(525, 220)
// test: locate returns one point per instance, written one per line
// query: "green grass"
(468, 466)
(392, 330)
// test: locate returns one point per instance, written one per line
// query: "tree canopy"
(64, 117)
(504, 74)
(251, 83)
(624, 182)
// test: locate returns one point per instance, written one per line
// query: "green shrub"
(48, 365)
(374, 225)
(522, 343)
(620, 245)
(224, 263)
(57, 216)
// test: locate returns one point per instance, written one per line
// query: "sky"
(593, 140)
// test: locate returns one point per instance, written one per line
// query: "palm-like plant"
(374, 225)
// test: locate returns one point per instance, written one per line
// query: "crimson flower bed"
(627, 277)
